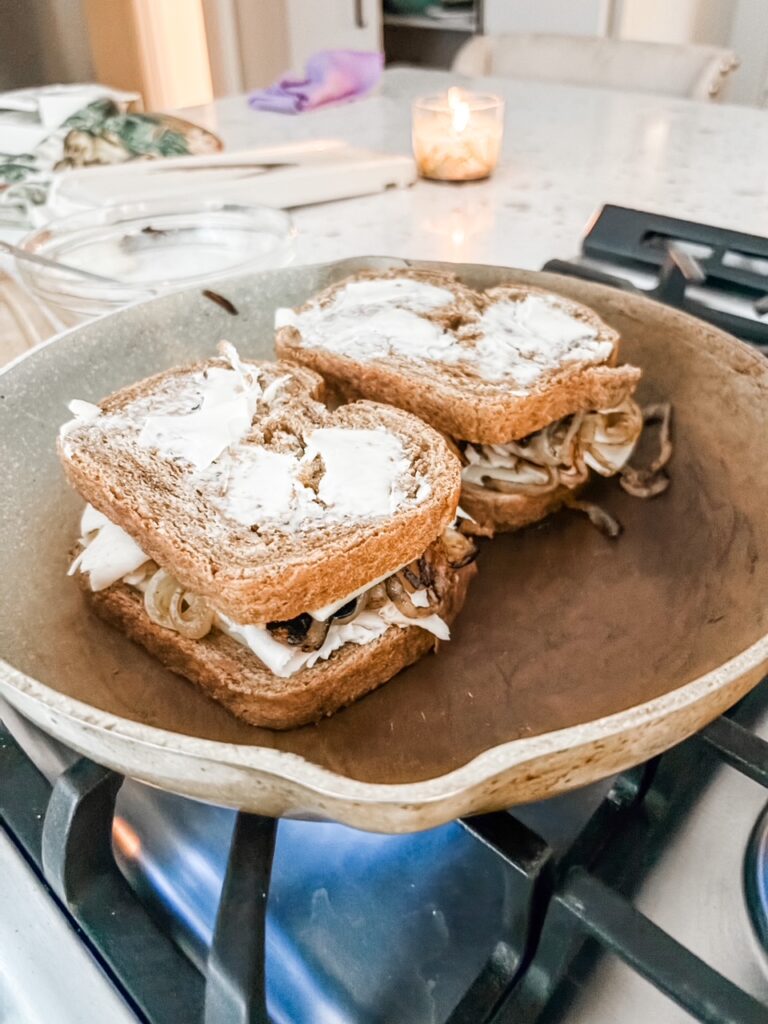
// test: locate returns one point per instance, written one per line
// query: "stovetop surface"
(369, 928)
(716, 274)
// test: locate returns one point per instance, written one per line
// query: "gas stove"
(718, 275)
(561, 911)
(642, 898)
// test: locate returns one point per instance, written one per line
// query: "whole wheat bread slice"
(267, 572)
(230, 674)
(453, 397)
(497, 512)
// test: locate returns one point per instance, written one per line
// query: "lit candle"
(457, 136)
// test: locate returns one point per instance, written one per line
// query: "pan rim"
(480, 769)
(426, 802)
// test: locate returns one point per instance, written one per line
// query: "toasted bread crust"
(305, 384)
(229, 673)
(496, 512)
(465, 300)
(249, 577)
(492, 420)
(463, 405)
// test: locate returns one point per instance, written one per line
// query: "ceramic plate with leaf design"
(101, 133)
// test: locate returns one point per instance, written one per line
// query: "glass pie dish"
(150, 248)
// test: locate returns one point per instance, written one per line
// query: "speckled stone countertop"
(567, 150)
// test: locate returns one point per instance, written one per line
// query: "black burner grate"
(590, 898)
(681, 256)
(564, 909)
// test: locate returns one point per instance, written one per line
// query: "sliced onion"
(354, 607)
(459, 549)
(568, 444)
(651, 480)
(169, 605)
(642, 484)
(608, 438)
(557, 452)
(491, 483)
(603, 520)
(575, 475)
(400, 597)
(553, 445)
(157, 597)
(377, 597)
(190, 615)
(617, 426)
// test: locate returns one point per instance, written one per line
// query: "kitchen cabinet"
(331, 25)
(419, 39)
(252, 42)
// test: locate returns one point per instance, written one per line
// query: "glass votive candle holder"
(457, 135)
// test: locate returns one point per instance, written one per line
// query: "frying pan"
(575, 656)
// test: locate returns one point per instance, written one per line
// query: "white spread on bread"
(524, 340)
(110, 555)
(361, 472)
(214, 411)
(394, 292)
(82, 412)
(196, 423)
(373, 333)
(405, 292)
(515, 341)
(373, 319)
(261, 484)
(561, 453)
(271, 390)
(360, 475)
(223, 412)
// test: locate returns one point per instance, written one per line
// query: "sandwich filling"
(518, 341)
(561, 454)
(410, 596)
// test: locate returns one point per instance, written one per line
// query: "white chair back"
(693, 71)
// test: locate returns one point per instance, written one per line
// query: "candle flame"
(459, 110)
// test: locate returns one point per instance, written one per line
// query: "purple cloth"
(331, 76)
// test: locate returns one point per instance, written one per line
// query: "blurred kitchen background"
(180, 53)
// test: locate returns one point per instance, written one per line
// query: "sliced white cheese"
(109, 556)
(91, 520)
(432, 623)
